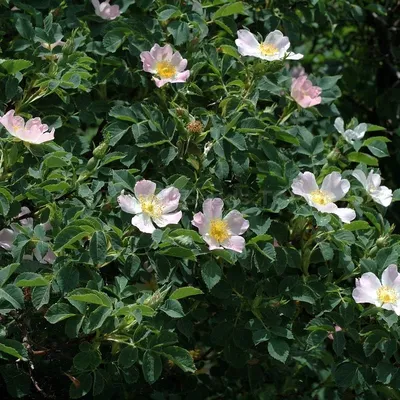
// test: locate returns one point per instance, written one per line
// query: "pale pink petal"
(396, 308)
(181, 77)
(304, 184)
(177, 59)
(360, 176)
(235, 243)
(25, 221)
(144, 188)
(168, 219)
(237, 225)
(374, 179)
(143, 223)
(212, 243)
(7, 237)
(366, 289)
(339, 125)
(212, 208)
(200, 222)
(161, 82)
(276, 37)
(294, 56)
(389, 275)
(383, 196)
(169, 199)
(129, 204)
(335, 185)
(345, 214)
(149, 63)
(247, 43)
(50, 257)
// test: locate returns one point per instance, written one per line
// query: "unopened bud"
(91, 165)
(100, 151)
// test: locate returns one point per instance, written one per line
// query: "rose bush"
(184, 213)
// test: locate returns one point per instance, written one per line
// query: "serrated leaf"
(59, 311)
(90, 296)
(278, 349)
(151, 366)
(98, 247)
(181, 293)
(180, 357)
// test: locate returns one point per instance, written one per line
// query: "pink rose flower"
(274, 47)
(220, 232)
(149, 207)
(168, 66)
(32, 132)
(304, 93)
(7, 237)
(105, 10)
(383, 293)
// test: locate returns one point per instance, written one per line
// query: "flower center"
(165, 70)
(219, 230)
(387, 294)
(320, 197)
(268, 49)
(151, 206)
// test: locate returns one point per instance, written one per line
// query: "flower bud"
(91, 165)
(100, 151)
(334, 155)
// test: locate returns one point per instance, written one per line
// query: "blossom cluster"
(151, 209)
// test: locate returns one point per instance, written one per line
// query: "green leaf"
(345, 373)
(173, 309)
(378, 149)
(96, 319)
(13, 348)
(40, 296)
(229, 9)
(25, 28)
(356, 226)
(128, 357)
(13, 295)
(90, 296)
(122, 113)
(151, 366)
(30, 279)
(363, 158)
(278, 349)
(339, 342)
(211, 274)
(5, 200)
(59, 311)
(98, 247)
(69, 236)
(6, 272)
(179, 252)
(113, 40)
(180, 32)
(181, 293)
(180, 357)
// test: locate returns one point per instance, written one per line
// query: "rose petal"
(169, 199)
(143, 223)
(366, 289)
(129, 204)
(304, 184)
(235, 243)
(144, 188)
(168, 219)
(236, 223)
(212, 208)
(335, 185)
(200, 222)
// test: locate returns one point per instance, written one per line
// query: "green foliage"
(91, 307)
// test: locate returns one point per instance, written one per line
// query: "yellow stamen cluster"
(320, 197)
(268, 49)
(219, 230)
(151, 206)
(387, 294)
(165, 70)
